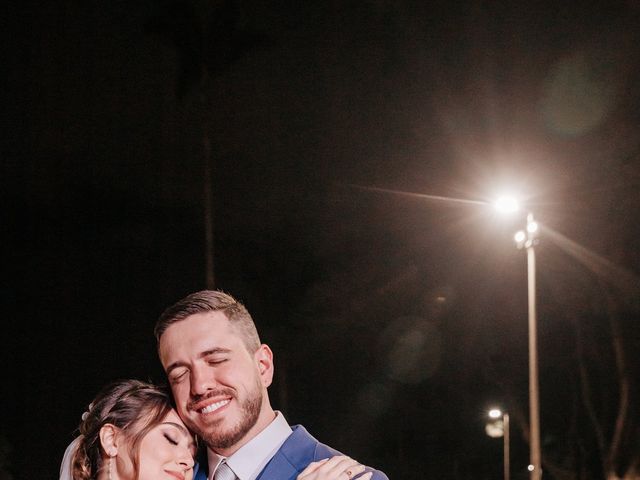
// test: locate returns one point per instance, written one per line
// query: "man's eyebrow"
(213, 351)
(206, 353)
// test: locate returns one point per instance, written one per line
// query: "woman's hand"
(335, 468)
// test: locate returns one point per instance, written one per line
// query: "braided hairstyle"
(132, 406)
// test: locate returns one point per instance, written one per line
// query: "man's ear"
(264, 360)
(109, 439)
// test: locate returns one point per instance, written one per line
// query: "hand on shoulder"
(336, 468)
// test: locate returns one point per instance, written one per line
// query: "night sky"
(336, 135)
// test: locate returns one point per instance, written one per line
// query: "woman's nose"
(186, 459)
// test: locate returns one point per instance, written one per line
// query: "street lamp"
(528, 239)
(501, 430)
(506, 204)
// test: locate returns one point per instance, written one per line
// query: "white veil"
(65, 466)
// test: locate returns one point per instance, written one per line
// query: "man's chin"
(206, 429)
(227, 427)
(224, 433)
(221, 440)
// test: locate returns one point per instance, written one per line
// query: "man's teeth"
(214, 406)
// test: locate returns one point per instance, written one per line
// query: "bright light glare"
(530, 468)
(495, 413)
(520, 236)
(494, 429)
(506, 204)
(532, 227)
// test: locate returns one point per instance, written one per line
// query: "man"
(219, 373)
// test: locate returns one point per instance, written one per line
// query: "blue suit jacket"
(298, 451)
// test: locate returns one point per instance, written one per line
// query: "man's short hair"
(211, 301)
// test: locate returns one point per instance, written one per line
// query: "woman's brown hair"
(132, 406)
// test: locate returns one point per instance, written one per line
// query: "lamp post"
(527, 239)
(496, 414)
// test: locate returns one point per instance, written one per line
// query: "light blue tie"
(224, 472)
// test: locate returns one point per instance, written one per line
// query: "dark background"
(396, 320)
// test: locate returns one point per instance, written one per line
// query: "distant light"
(532, 227)
(520, 236)
(494, 429)
(531, 468)
(441, 299)
(506, 204)
(495, 413)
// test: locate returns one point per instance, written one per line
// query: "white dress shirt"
(248, 462)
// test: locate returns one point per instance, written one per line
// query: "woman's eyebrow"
(178, 426)
(184, 431)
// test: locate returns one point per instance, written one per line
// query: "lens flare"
(506, 204)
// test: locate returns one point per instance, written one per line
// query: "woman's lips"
(177, 475)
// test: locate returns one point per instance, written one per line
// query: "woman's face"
(165, 453)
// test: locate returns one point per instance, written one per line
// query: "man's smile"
(211, 403)
(213, 407)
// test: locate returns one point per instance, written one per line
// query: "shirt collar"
(252, 457)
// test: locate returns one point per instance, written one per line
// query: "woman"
(132, 432)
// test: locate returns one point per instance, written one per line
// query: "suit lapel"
(201, 468)
(279, 468)
(293, 456)
(200, 474)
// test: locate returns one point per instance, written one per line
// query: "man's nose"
(202, 380)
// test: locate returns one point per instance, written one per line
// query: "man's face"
(218, 385)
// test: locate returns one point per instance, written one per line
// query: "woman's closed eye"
(170, 439)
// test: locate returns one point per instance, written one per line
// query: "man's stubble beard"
(218, 439)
